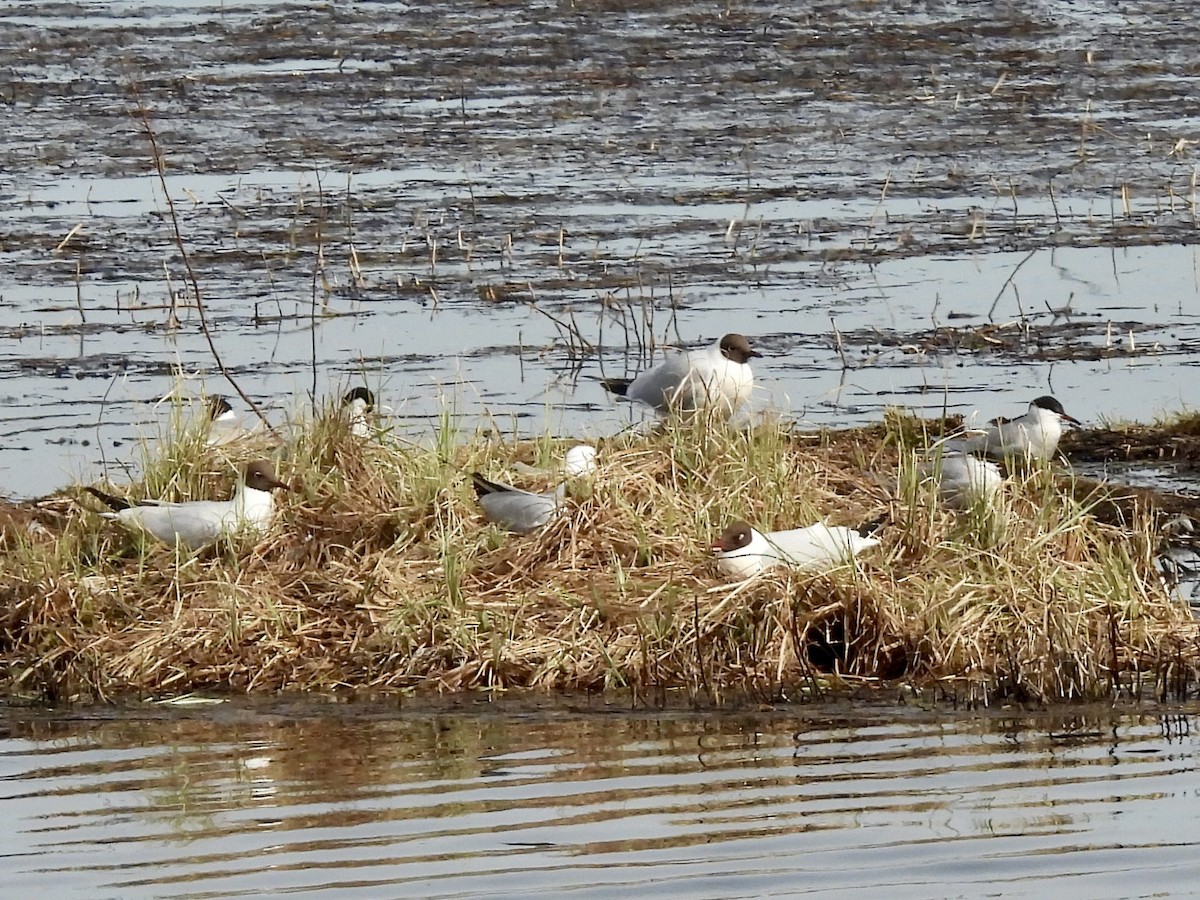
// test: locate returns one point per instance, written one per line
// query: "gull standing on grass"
(717, 377)
(743, 551)
(526, 511)
(1034, 435)
(195, 523)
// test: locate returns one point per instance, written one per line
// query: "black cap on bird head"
(359, 393)
(735, 348)
(737, 535)
(260, 476)
(217, 406)
(1049, 403)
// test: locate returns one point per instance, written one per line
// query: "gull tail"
(110, 500)
(483, 487)
(868, 529)
(618, 386)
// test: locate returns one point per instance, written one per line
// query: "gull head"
(735, 348)
(1049, 404)
(737, 536)
(260, 476)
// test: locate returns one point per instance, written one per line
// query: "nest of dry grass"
(381, 574)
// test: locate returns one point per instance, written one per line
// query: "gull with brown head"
(717, 378)
(193, 524)
(743, 551)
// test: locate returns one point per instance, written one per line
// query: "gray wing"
(191, 524)
(657, 387)
(972, 443)
(522, 512)
(517, 510)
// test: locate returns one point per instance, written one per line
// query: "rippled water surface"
(492, 204)
(486, 800)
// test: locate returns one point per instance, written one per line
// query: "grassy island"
(379, 573)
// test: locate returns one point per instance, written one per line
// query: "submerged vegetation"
(381, 573)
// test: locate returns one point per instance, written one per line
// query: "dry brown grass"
(381, 574)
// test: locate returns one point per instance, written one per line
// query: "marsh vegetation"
(381, 573)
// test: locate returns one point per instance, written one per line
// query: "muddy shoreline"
(860, 706)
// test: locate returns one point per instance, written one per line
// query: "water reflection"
(375, 802)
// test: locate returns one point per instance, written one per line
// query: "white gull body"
(716, 377)
(580, 460)
(962, 480)
(196, 523)
(743, 551)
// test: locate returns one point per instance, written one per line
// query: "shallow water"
(432, 197)
(500, 800)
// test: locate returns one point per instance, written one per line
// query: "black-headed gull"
(1034, 435)
(224, 425)
(526, 511)
(743, 551)
(717, 377)
(195, 523)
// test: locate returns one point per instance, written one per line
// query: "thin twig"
(317, 266)
(1008, 281)
(160, 168)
